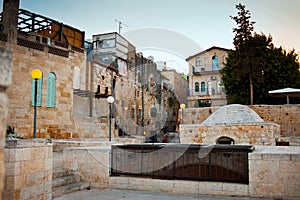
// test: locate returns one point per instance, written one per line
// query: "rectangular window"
(198, 62)
(132, 113)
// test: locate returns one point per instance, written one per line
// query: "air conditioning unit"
(202, 69)
(213, 78)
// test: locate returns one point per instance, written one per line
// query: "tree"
(242, 63)
(272, 68)
(256, 66)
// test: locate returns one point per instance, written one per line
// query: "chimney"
(10, 19)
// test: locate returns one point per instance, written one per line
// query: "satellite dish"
(151, 58)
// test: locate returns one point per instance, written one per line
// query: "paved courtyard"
(108, 194)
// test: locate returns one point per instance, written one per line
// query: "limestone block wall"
(287, 116)
(28, 169)
(244, 133)
(5, 81)
(51, 122)
(91, 163)
(274, 172)
(179, 186)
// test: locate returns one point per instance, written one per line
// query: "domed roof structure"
(232, 114)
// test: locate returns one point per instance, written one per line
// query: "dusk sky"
(204, 23)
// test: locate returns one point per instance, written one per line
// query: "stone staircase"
(92, 127)
(63, 180)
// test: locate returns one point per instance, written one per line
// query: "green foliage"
(245, 27)
(256, 66)
(271, 68)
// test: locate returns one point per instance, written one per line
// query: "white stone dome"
(231, 114)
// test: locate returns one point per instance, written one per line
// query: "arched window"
(225, 140)
(198, 62)
(215, 63)
(76, 78)
(39, 91)
(197, 87)
(202, 86)
(51, 91)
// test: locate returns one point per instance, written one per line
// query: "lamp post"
(110, 100)
(36, 74)
(182, 106)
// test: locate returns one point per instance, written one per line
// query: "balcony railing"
(214, 92)
(224, 163)
(206, 69)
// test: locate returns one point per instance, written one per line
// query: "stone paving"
(112, 194)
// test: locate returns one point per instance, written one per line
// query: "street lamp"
(36, 74)
(182, 106)
(110, 100)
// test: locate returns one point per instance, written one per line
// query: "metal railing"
(207, 69)
(221, 163)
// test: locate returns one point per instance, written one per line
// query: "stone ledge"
(24, 143)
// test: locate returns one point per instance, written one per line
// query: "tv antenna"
(120, 25)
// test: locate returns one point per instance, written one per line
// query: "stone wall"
(179, 186)
(28, 166)
(274, 172)
(51, 122)
(5, 81)
(91, 163)
(287, 116)
(243, 133)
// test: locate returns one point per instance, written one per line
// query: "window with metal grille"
(51, 91)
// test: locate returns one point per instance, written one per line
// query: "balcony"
(207, 69)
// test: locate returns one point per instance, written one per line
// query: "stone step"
(58, 173)
(69, 188)
(57, 160)
(65, 180)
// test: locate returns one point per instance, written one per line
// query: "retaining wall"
(28, 169)
(273, 172)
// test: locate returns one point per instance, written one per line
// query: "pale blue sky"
(205, 22)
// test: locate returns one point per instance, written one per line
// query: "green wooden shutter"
(39, 92)
(51, 91)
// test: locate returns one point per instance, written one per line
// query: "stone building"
(205, 82)
(58, 51)
(77, 78)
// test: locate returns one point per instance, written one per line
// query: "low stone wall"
(244, 133)
(28, 169)
(60, 144)
(273, 172)
(178, 186)
(91, 163)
